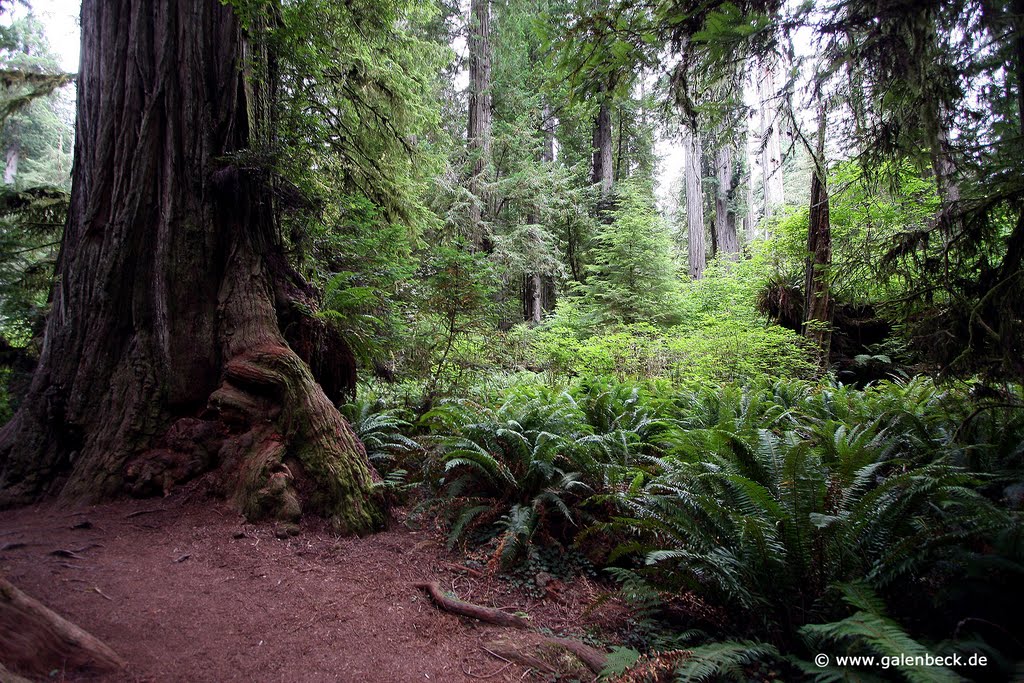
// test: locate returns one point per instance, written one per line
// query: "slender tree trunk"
(817, 294)
(726, 240)
(621, 165)
(1009, 276)
(536, 284)
(603, 170)
(163, 355)
(750, 217)
(771, 153)
(750, 156)
(11, 169)
(536, 299)
(694, 203)
(479, 129)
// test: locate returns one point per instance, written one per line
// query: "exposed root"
(288, 450)
(549, 654)
(531, 653)
(34, 640)
(468, 609)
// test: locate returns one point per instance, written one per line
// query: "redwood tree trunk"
(696, 244)
(726, 239)
(163, 356)
(771, 151)
(818, 300)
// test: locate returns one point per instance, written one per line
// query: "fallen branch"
(468, 609)
(35, 640)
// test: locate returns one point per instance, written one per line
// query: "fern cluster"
(775, 501)
(773, 520)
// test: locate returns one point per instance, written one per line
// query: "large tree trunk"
(726, 241)
(694, 203)
(163, 354)
(771, 151)
(479, 130)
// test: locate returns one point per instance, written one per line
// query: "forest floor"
(184, 590)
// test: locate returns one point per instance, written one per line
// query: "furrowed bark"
(771, 150)
(694, 203)
(163, 355)
(603, 172)
(726, 239)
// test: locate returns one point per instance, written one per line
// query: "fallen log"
(468, 609)
(34, 640)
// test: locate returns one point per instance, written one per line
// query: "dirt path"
(189, 592)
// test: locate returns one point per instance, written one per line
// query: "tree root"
(595, 660)
(34, 640)
(468, 609)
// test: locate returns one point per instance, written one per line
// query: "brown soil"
(187, 591)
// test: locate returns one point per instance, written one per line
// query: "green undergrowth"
(753, 525)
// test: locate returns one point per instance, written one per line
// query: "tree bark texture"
(750, 217)
(165, 353)
(11, 167)
(771, 145)
(35, 641)
(726, 239)
(818, 300)
(696, 243)
(479, 130)
(603, 173)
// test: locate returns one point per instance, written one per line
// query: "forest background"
(768, 381)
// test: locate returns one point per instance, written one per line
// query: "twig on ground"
(483, 676)
(149, 511)
(495, 654)
(97, 590)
